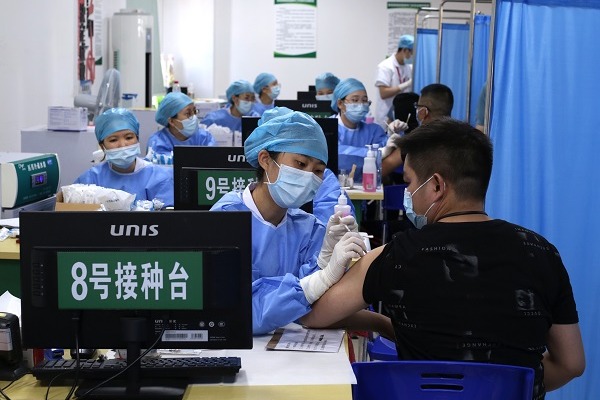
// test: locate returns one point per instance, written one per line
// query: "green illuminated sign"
(213, 184)
(130, 280)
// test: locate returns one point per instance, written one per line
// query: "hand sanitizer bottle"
(369, 171)
(342, 205)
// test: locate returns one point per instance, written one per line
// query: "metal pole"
(470, 57)
(490, 73)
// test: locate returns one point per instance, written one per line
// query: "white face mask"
(274, 93)
(293, 186)
(244, 107)
(324, 97)
(190, 126)
(418, 221)
(123, 157)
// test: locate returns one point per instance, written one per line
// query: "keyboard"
(190, 368)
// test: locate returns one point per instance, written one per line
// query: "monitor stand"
(134, 333)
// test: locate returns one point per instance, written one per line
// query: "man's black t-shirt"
(479, 291)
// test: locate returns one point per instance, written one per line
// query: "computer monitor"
(306, 96)
(203, 174)
(330, 129)
(179, 279)
(313, 107)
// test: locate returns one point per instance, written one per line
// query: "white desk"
(360, 194)
(265, 375)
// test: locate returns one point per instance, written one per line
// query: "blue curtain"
(481, 44)
(425, 58)
(545, 133)
(453, 67)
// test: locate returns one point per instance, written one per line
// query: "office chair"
(382, 349)
(393, 199)
(437, 380)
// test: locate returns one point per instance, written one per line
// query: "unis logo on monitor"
(134, 230)
(236, 158)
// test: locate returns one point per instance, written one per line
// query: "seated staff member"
(267, 88)
(351, 102)
(117, 131)
(240, 98)
(325, 85)
(464, 286)
(177, 114)
(292, 264)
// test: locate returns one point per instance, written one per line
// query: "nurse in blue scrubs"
(352, 104)
(177, 113)
(117, 131)
(295, 257)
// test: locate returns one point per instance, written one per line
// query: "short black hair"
(438, 98)
(455, 150)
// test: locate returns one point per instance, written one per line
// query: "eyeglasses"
(189, 113)
(356, 100)
(417, 106)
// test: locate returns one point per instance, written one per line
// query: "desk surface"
(359, 194)
(9, 249)
(265, 374)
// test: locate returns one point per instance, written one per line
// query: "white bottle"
(190, 91)
(342, 205)
(377, 151)
(176, 87)
(369, 177)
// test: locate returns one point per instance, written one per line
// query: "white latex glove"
(337, 227)
(405, 85)
(397, 126)
(390, 145)
(350, 246)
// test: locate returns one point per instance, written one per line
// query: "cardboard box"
(62, 206)
(67, 118)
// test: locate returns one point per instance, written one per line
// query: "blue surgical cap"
(114, 120)
(237, 88)
(406, 42)
(283, 130)
(343, 89)
(326, 81)
(262, 80)
(170, 106)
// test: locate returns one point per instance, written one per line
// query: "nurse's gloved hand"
(337, 226)
(397, 126)
(350, 246)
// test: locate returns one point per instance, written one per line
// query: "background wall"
(213, 41)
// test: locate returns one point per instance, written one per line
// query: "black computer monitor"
(314, 108)
(203, 174)
(306, 96)
(179, 279)
(330, 129)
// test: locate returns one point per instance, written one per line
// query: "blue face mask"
(418, 221)
(324, 97)
(244, 107)
(123, 157)
(293, 186)
(356, 112)
(274, 93)
(190, 126)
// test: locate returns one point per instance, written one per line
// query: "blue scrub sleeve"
(276, 302)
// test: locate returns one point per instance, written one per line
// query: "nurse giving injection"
(295, 257)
